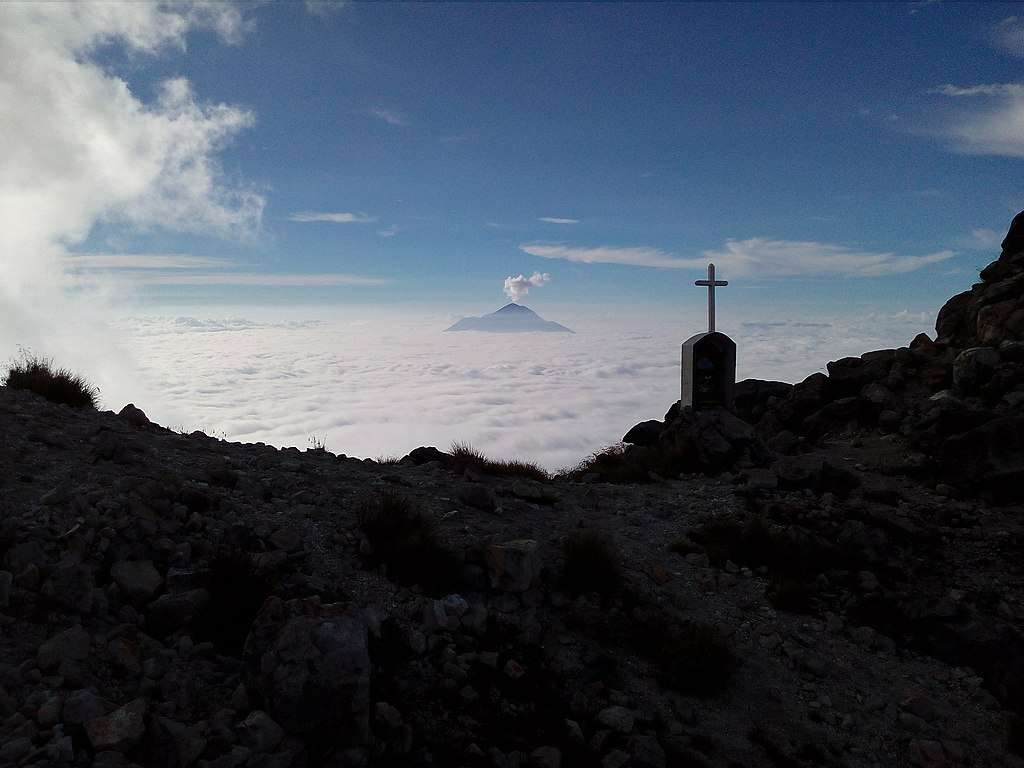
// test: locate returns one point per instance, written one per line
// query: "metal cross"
(711, 283)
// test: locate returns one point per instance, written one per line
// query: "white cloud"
(324, 8)
(986, 119)
(756, 256)
(388, 231)
(389, 116)
(553, 220)
(82, 261)
(982, 239)
(254, 278)
(337, 218)
(80, 147)
(519, 286)
(638, 257)
(1008, 36)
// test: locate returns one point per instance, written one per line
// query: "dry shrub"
(406, 541)
(1015, 734)
(591, 562)
(791, 593)
(58, 385)
(237, 592)
(695, 657)
(610, 465)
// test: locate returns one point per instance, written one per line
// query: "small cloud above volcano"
(518, 287)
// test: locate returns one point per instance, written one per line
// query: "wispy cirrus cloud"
(555, 220)
(341, 217)
(755, 256)
(80, 261)
(389, 116)
(981, 239)
(984, 119)
(631, 256)
(324, 8)
(268, 279)
(1008, 36)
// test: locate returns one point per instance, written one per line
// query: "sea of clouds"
(375, 383)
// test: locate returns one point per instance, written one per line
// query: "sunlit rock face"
(512, 318)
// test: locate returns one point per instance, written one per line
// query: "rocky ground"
(829, 577)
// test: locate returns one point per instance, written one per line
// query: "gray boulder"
(513, 566)
(122, 729)
(310, 665)
(133, 415)
(138, 580)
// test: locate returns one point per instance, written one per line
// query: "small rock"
(14, 750)
(386, 715)
(868, 581)
(178, 610)
(546, 757)
(645, 751)
(49, 713)
(6, 580)
(73, 644)
(927, 754)
(513, 669)
(912, 722)
(133, 415)
(615, 759)
(513, 566)
(287, 539)
(489, 659)
(573, 733)
(71, 586)
(478, 496)
(617, 718)
(259, 732)
(121, 729)
(82, 706)
(138, 580)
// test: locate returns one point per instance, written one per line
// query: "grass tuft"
(591, 562)
(406, 541)
(696, 658)
(58, 385)
(467, 454)
(610, 465)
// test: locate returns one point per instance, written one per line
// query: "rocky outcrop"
(955, 398)
(706, 441)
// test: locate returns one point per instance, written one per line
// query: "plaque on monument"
(709, 360)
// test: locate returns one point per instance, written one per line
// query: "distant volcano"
(512, 318)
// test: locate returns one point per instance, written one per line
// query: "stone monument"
(709, 360)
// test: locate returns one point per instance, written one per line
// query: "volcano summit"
(512, 318)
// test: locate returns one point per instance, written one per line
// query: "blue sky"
(429, 142)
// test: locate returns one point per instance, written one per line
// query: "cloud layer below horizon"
(383, 385)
